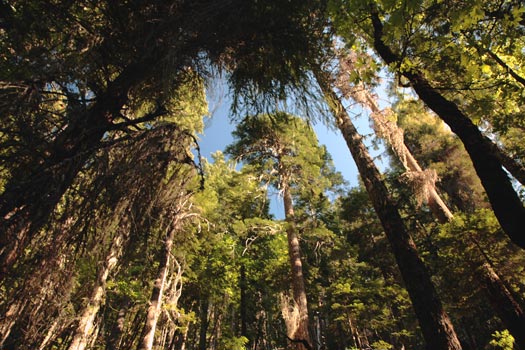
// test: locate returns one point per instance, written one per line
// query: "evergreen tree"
(409, 62)
(434, 321)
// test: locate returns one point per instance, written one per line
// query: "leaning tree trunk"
(393, 135)
(435, 324)
(504, 200)
(299, 335)
(86, 324)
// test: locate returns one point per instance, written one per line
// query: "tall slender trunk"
(117, 330)
(155, 302)
(300, 337)
(435, 324)
(504, 200)
(243, 305)
(203, 329)
(86, 325)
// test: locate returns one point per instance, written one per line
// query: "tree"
(504, 200)
(435, 144)
(83, 73)
(434, 321)
(284, 147)
(423, 181)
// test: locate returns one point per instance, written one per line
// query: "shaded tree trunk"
(300, 336)
(504, 200)
(435, 324)
(506, 307)
(117, 331)
(203, 330)
(243, 284)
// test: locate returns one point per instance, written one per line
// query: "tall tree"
(434, 321)
(505, 305)
(385, 126)
(84, 71)
(285, 148)
(504, 200)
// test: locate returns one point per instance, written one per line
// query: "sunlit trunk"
(155, 303)
(299, 335)
(393, 135)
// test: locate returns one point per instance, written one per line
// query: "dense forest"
(116, 234)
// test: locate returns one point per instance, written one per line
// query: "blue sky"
(217, 135)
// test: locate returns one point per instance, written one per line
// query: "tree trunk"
(243, 284)
(83, 334)
(506, 307)
(504, 200)
(14, 311)
(393, 135)
(435, 324)
(300, 337)
(203, 330)
(155, 303)
(117, 331)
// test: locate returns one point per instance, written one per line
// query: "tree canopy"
(116, 234)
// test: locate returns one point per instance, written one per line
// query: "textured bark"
(86, 325)
(435, 324)
(504, 200)
(435, 202)
(301, 337)
(506, 307)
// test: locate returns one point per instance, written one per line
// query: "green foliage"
(381, 345)
(470, 51)
(235, 343)
(502, 340)
(145, 67)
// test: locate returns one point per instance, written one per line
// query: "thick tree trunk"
(506, 307)
(300, 337)
(86, 325)
(435, 324)
(504, 200)
(28, 202)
